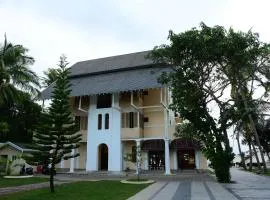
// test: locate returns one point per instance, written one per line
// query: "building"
(11, 156)
(121, 107)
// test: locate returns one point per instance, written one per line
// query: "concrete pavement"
(184, 190)
(249, 186)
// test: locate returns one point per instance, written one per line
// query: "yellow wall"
(131, 133)
(82, 158)
(153, 97)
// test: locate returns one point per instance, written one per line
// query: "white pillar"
(197, 159)
(71, 169)
(167, 158)
(62, 164)
(138, 155)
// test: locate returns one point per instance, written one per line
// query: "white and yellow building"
(121, 107)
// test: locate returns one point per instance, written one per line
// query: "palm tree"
(50, 76)
(15, 74)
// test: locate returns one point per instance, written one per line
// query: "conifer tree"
(57, 135)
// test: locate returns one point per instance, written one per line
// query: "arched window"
(99, 121)
(107, 119)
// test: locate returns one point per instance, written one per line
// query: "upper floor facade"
(144, 114)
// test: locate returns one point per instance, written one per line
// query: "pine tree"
(57, 135)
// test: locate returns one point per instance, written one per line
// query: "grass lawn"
(8, 182)
(112, 190)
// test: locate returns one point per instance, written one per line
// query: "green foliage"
(50, 77)
(186, 130)
(3, 128)
(212, 62)
(21, 118)
(56, 134)
(15, 74)
(193, 57)
(18, 86)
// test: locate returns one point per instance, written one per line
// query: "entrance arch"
(103, 157)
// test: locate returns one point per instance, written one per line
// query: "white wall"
(111, 137)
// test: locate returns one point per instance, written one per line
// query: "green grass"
(8, 182)
(112, 190)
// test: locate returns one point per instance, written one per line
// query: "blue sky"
(87, 29)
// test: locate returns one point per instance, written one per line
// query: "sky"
(87, 29)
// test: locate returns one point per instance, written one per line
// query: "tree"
(15, 74)
(193, 57)
(50, 77)
(57, 135)
(212, 62)
(21, 119)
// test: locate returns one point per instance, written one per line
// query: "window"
(104, 101)
(130, 120)
(145, 92)
(145, 119)
(99, 121)
(107, 121)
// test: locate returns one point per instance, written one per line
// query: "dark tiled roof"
(112, 63)
(129, 80)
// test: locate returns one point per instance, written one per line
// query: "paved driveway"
(249, 186)
(184, 190)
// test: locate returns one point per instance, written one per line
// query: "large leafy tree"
(192, 61)
(222, 69)
(15, 74)
(57, 135)
(18, 85)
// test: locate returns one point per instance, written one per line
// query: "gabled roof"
(110, 64)
(19, 147)
(126, 72)
(112, 82)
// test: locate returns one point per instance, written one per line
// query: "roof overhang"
(120, 81)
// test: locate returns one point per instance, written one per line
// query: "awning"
(181, 144)
(154, 145)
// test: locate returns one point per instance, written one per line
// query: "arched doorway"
(103, 157)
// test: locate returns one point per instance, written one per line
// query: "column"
(71, 169)
(167, 158)
(138, 156)
(197, 159)
(62, 164)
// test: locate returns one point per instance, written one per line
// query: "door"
(156, 160)
(186, 159)
(103, 157)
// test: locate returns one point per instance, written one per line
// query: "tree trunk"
(240, 152)
(256, 156)
(267, 153)
(51, 178)
(254, 130)
(250, 157)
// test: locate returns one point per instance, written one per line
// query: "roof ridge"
(119, 55)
